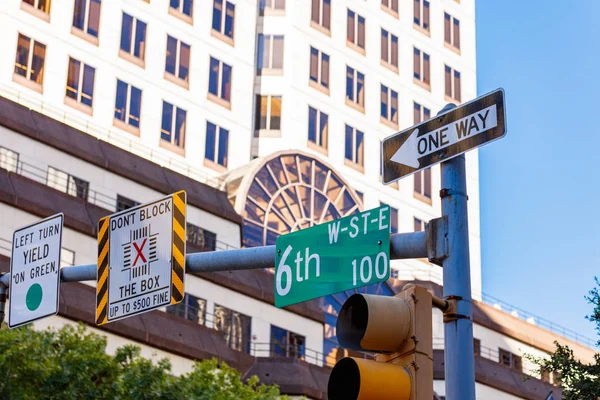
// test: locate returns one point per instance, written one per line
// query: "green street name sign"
(329, 258)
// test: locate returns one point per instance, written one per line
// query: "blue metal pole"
(458, 320)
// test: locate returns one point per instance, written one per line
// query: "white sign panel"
(35, 271)
(139, 273)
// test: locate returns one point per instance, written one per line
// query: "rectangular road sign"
(441, 138)
(141, 259)
(35, 271)
(329, 258)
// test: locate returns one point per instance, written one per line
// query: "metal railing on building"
(111, 135)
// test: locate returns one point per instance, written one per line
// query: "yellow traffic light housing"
(399, 328)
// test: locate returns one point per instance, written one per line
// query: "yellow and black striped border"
(102, 277)
(179, 239)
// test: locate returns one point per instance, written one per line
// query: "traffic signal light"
(399, 329)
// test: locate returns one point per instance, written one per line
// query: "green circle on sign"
(34, 297)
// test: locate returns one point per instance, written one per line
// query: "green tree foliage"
(72, 363)
(579, 381)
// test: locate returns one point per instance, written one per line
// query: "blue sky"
(540, 185)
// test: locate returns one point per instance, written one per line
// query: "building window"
(191, 308)
(318, 127)
(86, 19)
(451, 31)
(423, 185)
(29, 63)
(394, 273)
(123, 203)
(199, 237)
(67, 257)
(172, 133)
(355, 88)
(222, 23)
(39, 8)
(389, 50)
(270, 54)
(217, 144)
(128, 103)
(419, 225)
(319, 70)
(420, 113)
(390, 6)
(354, 148)
(452, 80)
(421, 17)
(477, 347)
(67, 183)
(182, 9)
(235, 327)
(271, 6)
(287, 344)
(80, 85)
(389, 106)
(219, 82)
(421, 69)
(133, 39)
(177, 66)
(321, 14)
(268, 113)
(355, 31)
(510, 360)
(9, 160)
(393, 217)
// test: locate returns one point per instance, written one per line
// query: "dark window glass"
(167, 122)
(73, 79)
(22, 59)
(211, 141)
(187, 7)
(384, 101)
(477, 346)
(312, 124)
(79, 14)
(171, 55)
(286, 344)
(184, 61)
(263, 52)
(235, 327)
(349, 143)
(417, 12)
(223, 146)
(87, 95)
(126, 32)
(226, 83)
(94, 18)
(217, 15)
(350, 83)
(314, 64)
(179, 127)
(213, 80)
(229, 18)
(135, 107)
(191, 308)
(417, 64)
(140, 40)
(37, 62)
(121, 101)
(123, 203)
(202, 238)
(324, 70)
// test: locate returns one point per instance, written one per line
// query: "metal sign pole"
(458, 320)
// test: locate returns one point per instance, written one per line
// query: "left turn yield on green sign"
(35, 271)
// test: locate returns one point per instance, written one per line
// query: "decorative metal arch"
(288, 191)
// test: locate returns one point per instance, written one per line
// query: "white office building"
(270, 114)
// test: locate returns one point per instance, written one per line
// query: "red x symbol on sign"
(139, 252)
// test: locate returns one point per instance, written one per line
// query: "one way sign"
(463, 128)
